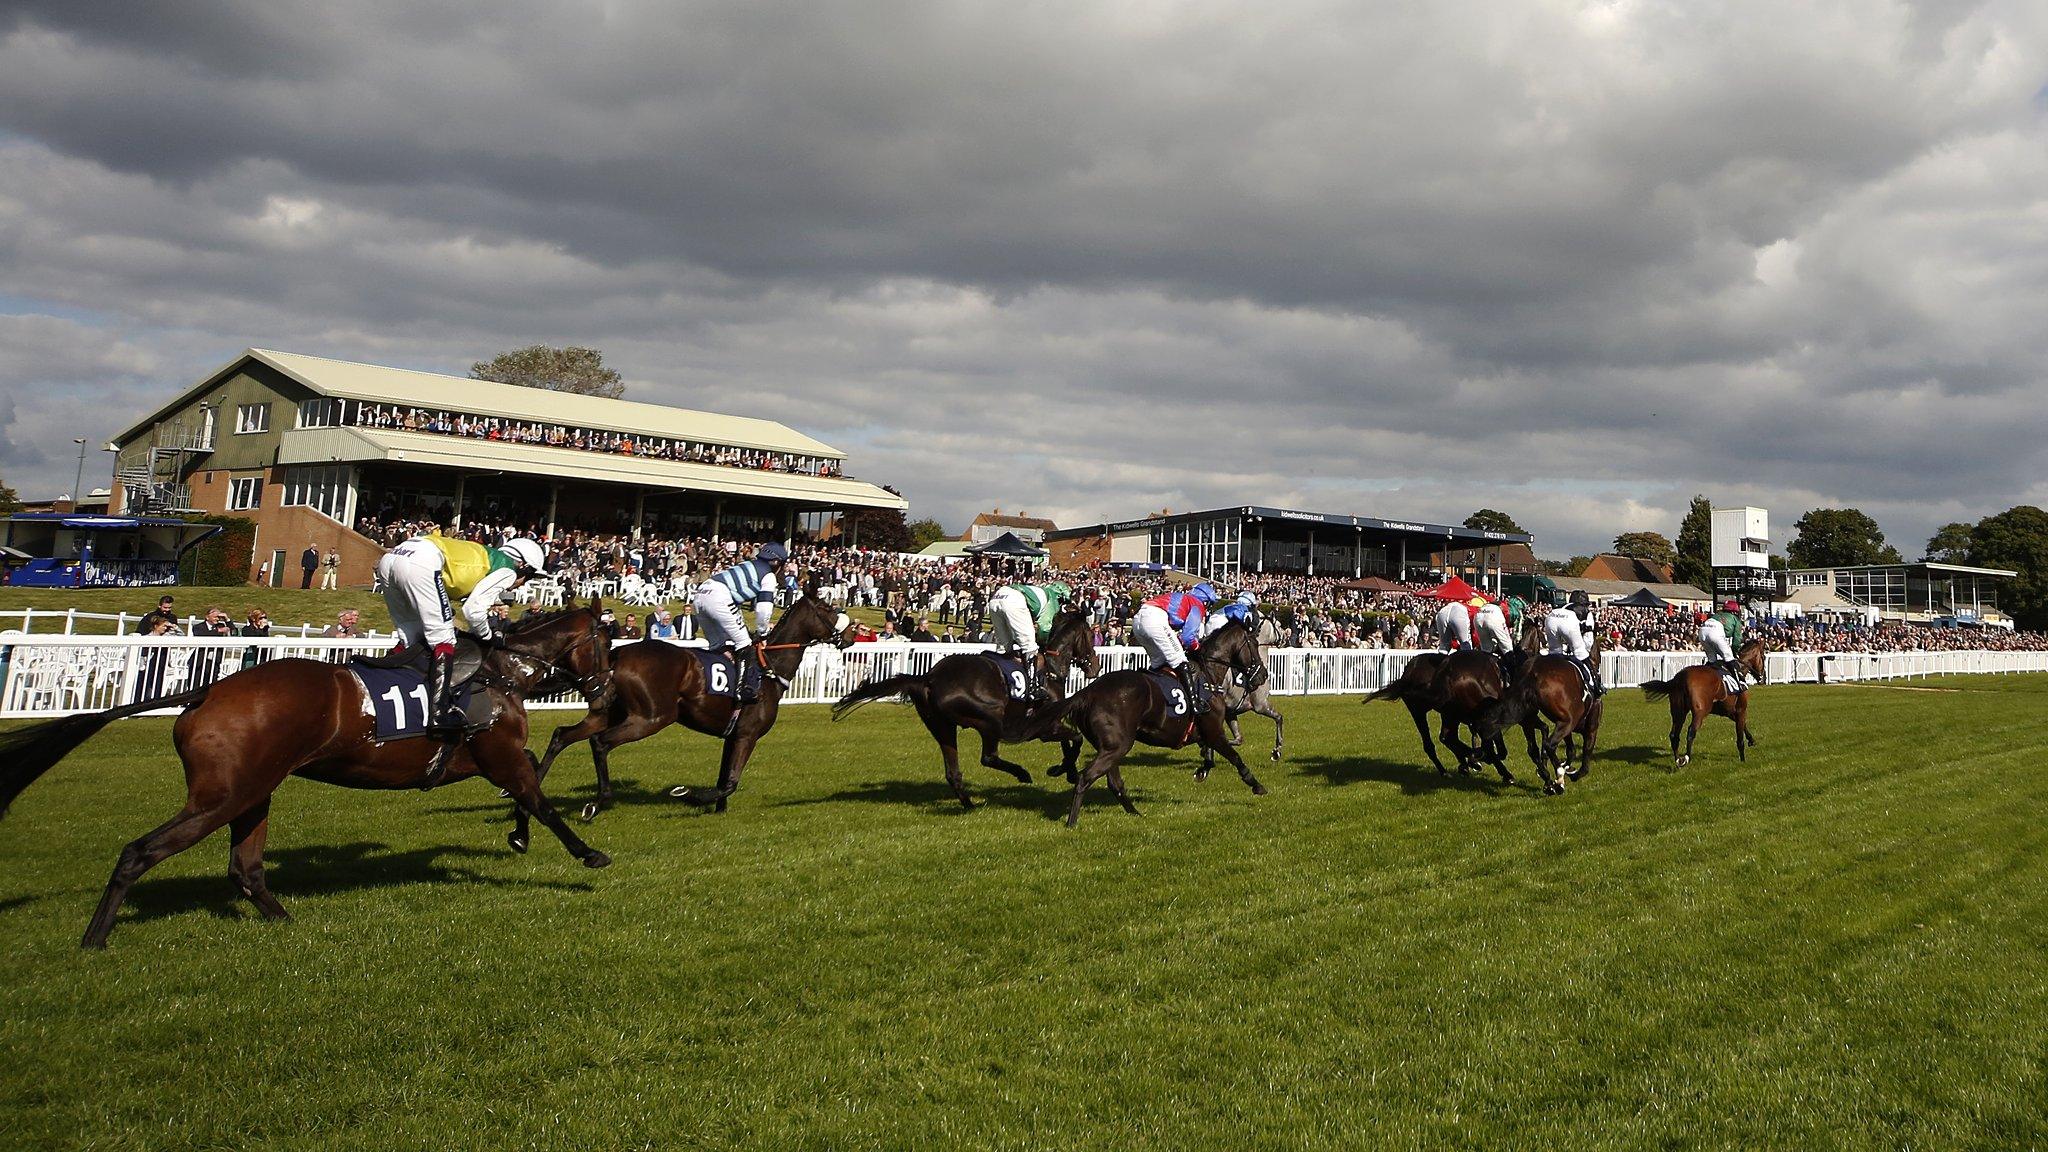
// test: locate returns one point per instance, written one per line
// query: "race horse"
(1132, 707)
(1698, 691)
(241, 737)
(966, 690)
(655, 685)
(1251, 692)
(1549, 700)
(1457, 686)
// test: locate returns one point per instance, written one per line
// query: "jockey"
(1241, 610)
(420, 575)
(1720, 637)
(1453, 627)
(718, 602)
(1567, 632)
(1490, 628)
(1167, 626)
(1018, 613)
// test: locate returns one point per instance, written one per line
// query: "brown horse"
(1457, 686)
(1129, 707)
(241, 736)
(1549, 688)
(655, 685)
(966, 691)
(1699, 692)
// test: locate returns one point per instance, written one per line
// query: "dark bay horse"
(1458, 686)
(655, 685)
(1129, 707)
(1550, 688)
(243, 735)
(1699, 692)
(966, 691)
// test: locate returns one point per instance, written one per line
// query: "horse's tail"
(1659, 689)
(1398, 690)
(911, 686)
(27, 753)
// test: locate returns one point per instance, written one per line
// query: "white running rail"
(58, 675)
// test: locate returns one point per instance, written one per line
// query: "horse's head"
(1233, 647)
(1752, 658)
(1073, 639)
(570, 645)
(1532, 637)
(808, 621)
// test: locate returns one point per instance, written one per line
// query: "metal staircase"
(153, 477)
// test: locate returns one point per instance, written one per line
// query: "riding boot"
(1034, 679)
(750, 677)
(442, 722)
(1197, 690)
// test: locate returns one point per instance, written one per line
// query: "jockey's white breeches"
(1156, 635)
(413, 591)
(1009, 617)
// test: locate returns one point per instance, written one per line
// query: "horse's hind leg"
(1741, 711)
(245, 860)
(1264, 707)
(513, 771)
(1677, 723)
(1420, 715)
(173, 836)
(1123, 795)
(1449, 735)
(1213, 737)
(1691, 730)
(991, 752)
(947, 734)
(1105, 758)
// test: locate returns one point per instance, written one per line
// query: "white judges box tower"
(1740, 548)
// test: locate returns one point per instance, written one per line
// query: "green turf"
(1842, 944)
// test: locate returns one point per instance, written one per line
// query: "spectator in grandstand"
(630, 629)
(660, 626)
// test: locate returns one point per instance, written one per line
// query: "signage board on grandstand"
(1739, 538)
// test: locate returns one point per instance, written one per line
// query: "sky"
(1574, 261)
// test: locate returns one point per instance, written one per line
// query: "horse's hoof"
(597, 859)
(1023, 777)
(517, 842)
(504, 794)
(590, 811)
(1683, 761)
(1258, 789)
(1553, 789)
(1276, 756)
(680, 792)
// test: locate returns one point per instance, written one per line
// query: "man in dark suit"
(309, 562)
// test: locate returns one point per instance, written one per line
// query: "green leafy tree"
(1651, 546)
(9, 502)
(1695, 558)
(1839, 538)
(924, 533)
(2017, 538)
(1577, 565)
(1949, 545)
(1491, 520)
(578, 370)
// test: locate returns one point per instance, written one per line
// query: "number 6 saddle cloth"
(395, 690)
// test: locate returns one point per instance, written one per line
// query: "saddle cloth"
(396, 698)
(1733, 685)
(1179, 709)
(1011, 669)
(721, 672)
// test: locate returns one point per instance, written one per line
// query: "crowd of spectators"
(398, 417)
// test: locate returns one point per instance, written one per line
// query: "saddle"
(395, 691)
(1014, 674)
(1178, 707)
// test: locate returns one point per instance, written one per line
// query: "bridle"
(595, 686)
(839, 637)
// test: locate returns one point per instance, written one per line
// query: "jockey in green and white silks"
(1018, 615)
(1721, 638)
(718, 602)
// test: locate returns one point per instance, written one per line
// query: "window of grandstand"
(323, 488)
(245, 492)
(252, 418)
(320, 412)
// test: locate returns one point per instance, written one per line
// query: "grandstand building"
(1915, 593)
(308, 448)
(1224, 543)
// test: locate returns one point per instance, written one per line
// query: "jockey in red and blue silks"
(1167, 626)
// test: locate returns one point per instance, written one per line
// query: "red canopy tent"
(1455, 589)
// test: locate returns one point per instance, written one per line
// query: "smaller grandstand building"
(1917, 593)
(1225, 543)
(314, 449)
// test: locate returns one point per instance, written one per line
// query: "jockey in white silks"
(1568, 632)
(1453, 628)
(1490, 630)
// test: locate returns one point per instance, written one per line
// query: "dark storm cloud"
(1579, 260)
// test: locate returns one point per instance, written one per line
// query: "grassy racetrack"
(1842, 944)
